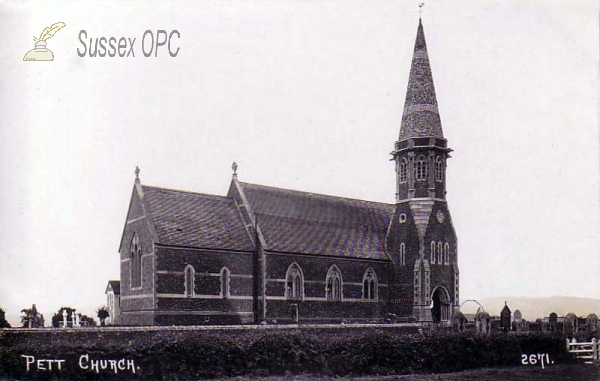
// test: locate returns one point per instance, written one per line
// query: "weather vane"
(421, 5)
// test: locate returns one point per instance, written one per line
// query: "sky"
(305, 95)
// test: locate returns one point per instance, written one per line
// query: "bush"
(194, 354)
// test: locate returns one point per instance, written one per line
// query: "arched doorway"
(440, 305)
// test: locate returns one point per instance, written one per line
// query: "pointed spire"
(420, 117)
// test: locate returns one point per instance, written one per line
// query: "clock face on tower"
(440, 216)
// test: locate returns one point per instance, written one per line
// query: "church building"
(261, 253)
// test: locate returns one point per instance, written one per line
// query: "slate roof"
(196, 220)
(115, 285)
(301, 222)
(421, 116)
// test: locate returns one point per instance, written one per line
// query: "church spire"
(421, 117)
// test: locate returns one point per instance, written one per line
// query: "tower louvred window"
(421, 168)
(403, 170)
(432, 252)
(439, 169)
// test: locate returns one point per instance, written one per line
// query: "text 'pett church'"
(261, 253)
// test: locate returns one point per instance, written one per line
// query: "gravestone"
(552, 319)
(517, 321)
(505, 318)
(518, 316)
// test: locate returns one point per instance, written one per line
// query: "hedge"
(185, 355)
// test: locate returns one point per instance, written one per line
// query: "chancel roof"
(196, 220)
(301, 222)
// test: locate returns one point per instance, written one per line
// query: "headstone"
(592, 322)
(73, 317)
(552, 319)
(518, 316)
(505, 318)
(64, 318)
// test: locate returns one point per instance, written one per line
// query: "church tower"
(421, 239)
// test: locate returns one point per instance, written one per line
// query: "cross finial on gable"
(137, 173)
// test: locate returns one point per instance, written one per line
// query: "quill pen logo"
(40, 52)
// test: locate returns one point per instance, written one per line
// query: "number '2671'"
(536, 358)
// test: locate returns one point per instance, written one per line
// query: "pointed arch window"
(446, 253)
(403, 170)
(440, 253)
(421, 168)
(225, 276)
(136, 262)
(439, 169)
(433, 252)
(402, 254)
(294, 282)
(190, 281)
(333, 288)
(370, 285)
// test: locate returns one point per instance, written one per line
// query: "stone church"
(261, 253)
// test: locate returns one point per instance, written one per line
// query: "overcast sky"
(305, 95)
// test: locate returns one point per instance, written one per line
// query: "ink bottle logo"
(40, 52)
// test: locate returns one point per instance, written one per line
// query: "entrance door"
(440, 309)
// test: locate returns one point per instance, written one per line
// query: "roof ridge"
(312, 221)
(317, 194)
(184, 191)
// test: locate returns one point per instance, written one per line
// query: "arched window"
(402, 254)
(421, 168)
(432, 252)
(136, 262)
(439, 169)
(225, 283)
(333, 288)
(370, 285)
(190, 282)
(294, 284)
(440, 253)
(403, 170)
(446, 253)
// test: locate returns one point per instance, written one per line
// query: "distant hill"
(534, 308)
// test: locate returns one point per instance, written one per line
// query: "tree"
(3, 322)
(102, 314)
(87, 321)
(31, 319)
